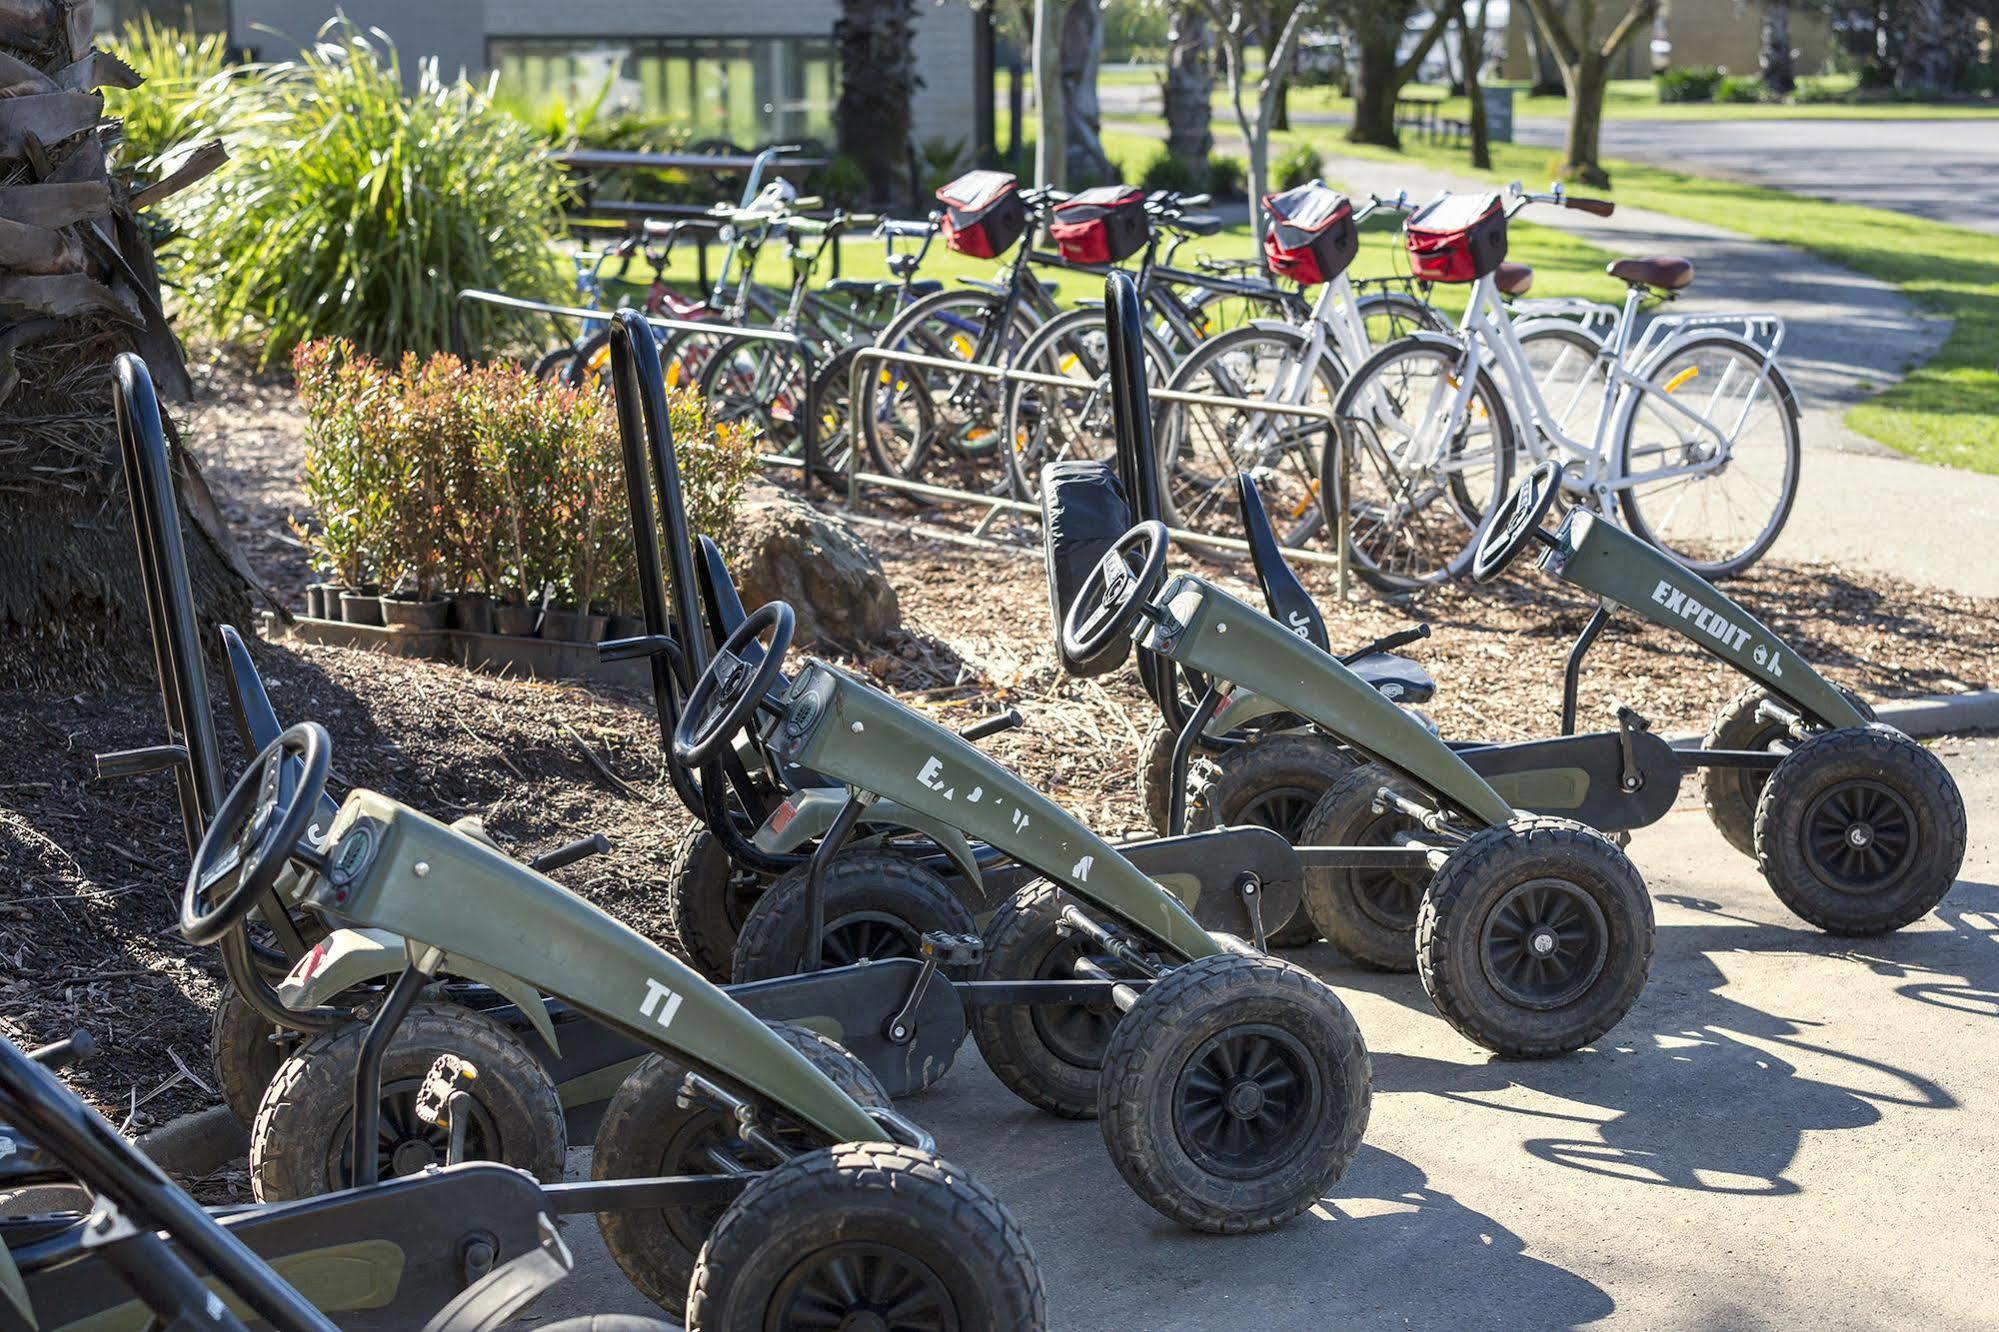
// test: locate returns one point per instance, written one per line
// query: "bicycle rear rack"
(1761, 330)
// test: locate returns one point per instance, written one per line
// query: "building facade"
(1687, 33)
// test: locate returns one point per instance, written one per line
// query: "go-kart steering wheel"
(1108, 603)
(1517, 521)
(729, 690)
(264, 817)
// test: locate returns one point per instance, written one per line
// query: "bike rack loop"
(808, 435)
(856, 478)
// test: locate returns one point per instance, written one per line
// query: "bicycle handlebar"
(1561, 199)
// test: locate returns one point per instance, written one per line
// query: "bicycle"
(1304, 361)
(1429, 427)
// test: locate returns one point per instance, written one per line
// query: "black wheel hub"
(1247, 1100)
(1389, 897)
(405, 1144)
(1074, 1033)
(866, 935)
(861, 1287)
(1859, 836)
(1544, 943)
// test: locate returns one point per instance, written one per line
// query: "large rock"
(793, 552)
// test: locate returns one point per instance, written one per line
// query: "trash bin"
(1498, 114)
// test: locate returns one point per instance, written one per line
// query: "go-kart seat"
(1290, 604)
(1196, 224)
(1663, 272)
(1513, 279)
(1397, 678)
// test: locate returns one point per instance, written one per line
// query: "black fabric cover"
(1083, 512)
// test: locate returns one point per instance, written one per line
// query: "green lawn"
(1946, 411)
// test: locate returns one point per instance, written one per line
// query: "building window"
(201, 16)
(749, 90)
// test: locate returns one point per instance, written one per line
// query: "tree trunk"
(1188, 89)
(1472, 52)
(877, 79)
(1547, 68)
(77, 287)
(1773, 53)
(1051, 124)
(1588, 79)
(1082, 53)
(1374, 84)
(1931, 62)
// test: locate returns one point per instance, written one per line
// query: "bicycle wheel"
(554, 364)
(1388, 315)
(832, 397)
(1202, 447)
(1048, 423)
(926, 421)
(759, 384)
(1709, 451)
(1565, 360)
(1414, 477)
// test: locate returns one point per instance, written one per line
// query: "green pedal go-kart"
(462, 1248)
(750, 1174)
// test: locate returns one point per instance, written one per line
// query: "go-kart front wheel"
(648, 1130)
(1535, 937)
(878, 905)
(1368, 914)
(707, 900)
(1046, 1054)
(866, 1235)
(1860, 830)
(1234, 1093)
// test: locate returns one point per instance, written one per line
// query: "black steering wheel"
(1107, 604)
(264, 817)
(729, 690)
(1517, 521)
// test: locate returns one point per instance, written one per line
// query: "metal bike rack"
(807, 463)
(996, 504)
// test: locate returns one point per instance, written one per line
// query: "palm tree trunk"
(77, 287)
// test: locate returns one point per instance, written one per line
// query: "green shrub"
(1691, 84)
(840, 182)
(164, 112)
(352, 210)
(437, 474)
(1164, 171)
(1739, 88)
(1296, 167)
(1810, 90)
(1225, 176)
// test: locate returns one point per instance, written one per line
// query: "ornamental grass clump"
(350, 209)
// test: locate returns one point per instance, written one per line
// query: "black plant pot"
(427, 613)
(572, 626)
(624, 626)
(471, 612)
(322, 601)
(361, 607)
(519, 621)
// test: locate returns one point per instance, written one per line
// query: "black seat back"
(1290, 604)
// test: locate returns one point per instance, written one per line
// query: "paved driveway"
(1789, 1131)
(1942, 169)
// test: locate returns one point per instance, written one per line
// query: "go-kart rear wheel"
(244, 1050)
(1234, 1093)
(1368, 914)
(1730, 794)
(877, 904)
(1272, 781)
(1860, 830)
(1046, 1054)
(646, 1131)
(707, 900)
(1155, 774)
(302, 1142)
(866, 1235)
(608, 1323)
(1535, 938)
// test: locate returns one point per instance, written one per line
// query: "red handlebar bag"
(1312, 236)
(983, 213)
(1105, 225)
(1456, 237)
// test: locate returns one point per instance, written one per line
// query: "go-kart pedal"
(448, 1076)
(952, 950)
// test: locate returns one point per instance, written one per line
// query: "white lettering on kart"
(654, 993)
(1715, 625)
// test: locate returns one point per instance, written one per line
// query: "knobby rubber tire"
(657, 1249)
(1220, 789)
(1462, 895)
(244, 1056)
(1151, 1048)
(1024, 941)
(1878, 754)
(1334, 897)
(912, 1202)
(1155, 774)
(879, 883)
(700, 888)
(310, 1101)
(1729, 795)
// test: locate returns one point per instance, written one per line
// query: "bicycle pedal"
(953, 950)
(450, 1073)
(1630, 717)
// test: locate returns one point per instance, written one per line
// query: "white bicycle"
(1687, 435)
(1202, 447)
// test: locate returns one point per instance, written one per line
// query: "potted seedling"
(345, 530)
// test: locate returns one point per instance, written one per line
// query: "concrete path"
(1789, 1131)
(1947, 170)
